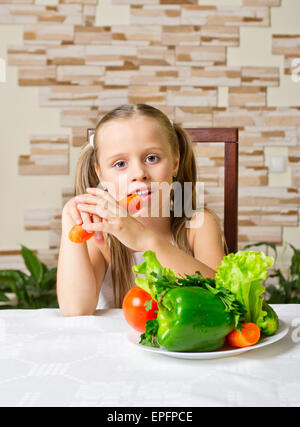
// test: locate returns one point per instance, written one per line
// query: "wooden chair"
(230, 138)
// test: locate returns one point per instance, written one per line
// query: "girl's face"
(134, 152)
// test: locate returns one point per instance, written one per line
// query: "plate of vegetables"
(225, 351)
(193, 317)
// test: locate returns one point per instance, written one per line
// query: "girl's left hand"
(126, 228)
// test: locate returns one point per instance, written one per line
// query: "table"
(51, 360)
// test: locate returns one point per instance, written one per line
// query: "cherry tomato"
(131, 203)
(79, 235)
(247, 336)
(134, 309)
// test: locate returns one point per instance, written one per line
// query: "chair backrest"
(230, 137)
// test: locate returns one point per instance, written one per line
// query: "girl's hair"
(121, 257)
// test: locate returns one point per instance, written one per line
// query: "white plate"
(134, 338)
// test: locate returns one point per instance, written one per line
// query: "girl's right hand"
(79, 218)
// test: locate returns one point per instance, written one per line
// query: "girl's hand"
(81, 218)
(115, 219)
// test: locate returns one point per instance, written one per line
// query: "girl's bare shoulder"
(198, 222)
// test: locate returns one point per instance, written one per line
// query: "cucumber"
(270, 322)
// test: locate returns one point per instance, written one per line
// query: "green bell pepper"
(192, 314)
(270, 322)
(198, 320)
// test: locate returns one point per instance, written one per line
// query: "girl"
(137, 145)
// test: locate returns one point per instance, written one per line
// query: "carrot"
(79, 235)
(247, 336)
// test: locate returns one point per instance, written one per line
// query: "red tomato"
(134, 309)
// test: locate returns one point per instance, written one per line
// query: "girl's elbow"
(73, 312)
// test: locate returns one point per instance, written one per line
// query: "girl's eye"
(118, 164)
(152, 156)
(121, 161)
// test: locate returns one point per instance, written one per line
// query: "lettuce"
(242, 273)
(157, 278)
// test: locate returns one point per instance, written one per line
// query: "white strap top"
(106, 296)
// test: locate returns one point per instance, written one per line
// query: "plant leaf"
(149, 336)
(6, 281)
(36, 290)
(3, 297)
(7, 307)
(33, 264)
(49, 279)
(275, 295)
(269, 244)
(12, 281)
(148, 305)
(295, 262)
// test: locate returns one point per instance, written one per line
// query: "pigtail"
(85, 171)
(188, 173)
(188, 169)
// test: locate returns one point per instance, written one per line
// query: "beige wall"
(255, 49)
(21, 116)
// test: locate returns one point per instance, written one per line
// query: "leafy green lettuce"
(158, 280)
(242, 273)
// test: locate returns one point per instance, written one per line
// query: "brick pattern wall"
(173, 55)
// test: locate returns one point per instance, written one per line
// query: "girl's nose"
(138, 172)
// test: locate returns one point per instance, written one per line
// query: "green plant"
(287, 291)
(36, 290)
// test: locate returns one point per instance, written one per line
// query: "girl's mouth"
(145, 195)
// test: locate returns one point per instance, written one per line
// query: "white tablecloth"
(51, 360)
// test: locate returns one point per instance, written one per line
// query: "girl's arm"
(80, 272)
(208, 250)
(176, 259)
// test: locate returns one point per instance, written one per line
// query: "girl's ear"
(176, 164)
(97, 170)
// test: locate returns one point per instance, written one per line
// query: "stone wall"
(173, 55)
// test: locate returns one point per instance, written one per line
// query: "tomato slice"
(134, 309)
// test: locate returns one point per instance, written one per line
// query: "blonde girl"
(138, 145)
